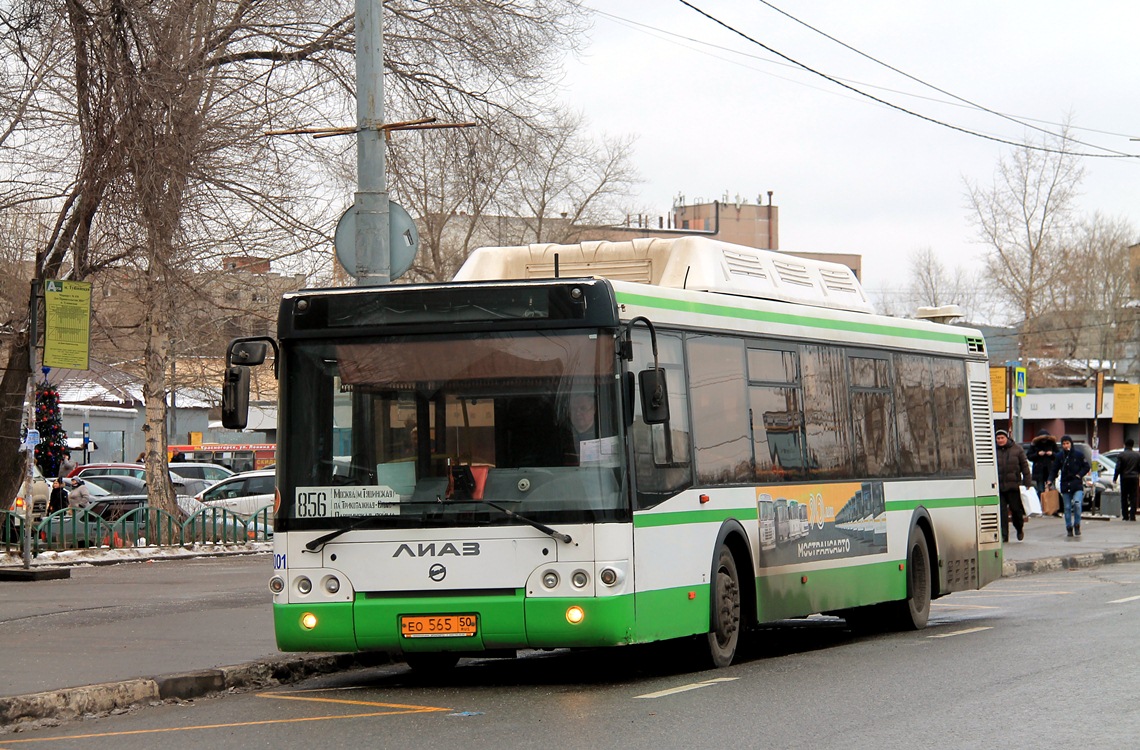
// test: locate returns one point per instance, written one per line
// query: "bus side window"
(658, 478)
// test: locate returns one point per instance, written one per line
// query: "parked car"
(182, 485)
(195, 470)
(41, 491)
(244, 493)
(95, 526)
(1094, 488)
(117, 485)
(110, 469)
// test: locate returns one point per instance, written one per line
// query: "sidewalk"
(107, 628)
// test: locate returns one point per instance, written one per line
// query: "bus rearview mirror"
(248, 353)
(654, 396)
(235, 396)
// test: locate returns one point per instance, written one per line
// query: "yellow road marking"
(961, 632)
(400, 709)
(286, 697)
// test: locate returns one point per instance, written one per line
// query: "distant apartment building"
(736, 220)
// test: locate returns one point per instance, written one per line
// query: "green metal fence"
(141, 527)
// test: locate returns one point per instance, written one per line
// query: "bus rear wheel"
(724, 626)
(913, 612)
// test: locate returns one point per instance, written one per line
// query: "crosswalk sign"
(1019, 382)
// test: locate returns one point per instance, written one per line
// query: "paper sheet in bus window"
(600, 452)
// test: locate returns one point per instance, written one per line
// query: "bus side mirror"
(654, 396)
(248, 353)
(235, 396)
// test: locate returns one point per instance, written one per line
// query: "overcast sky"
(722, 115)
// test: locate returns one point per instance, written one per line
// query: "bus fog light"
(308, 621)
(276, 584)
(575, 615)
(332, 584)
(550, 579)
(304, 585)
(610, 576)
(579, 579)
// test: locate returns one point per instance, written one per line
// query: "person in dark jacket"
(1128, 474)
(1013, 474)
(57, 500)
(1068, 472)
(1041, 453)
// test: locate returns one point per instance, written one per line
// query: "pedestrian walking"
(1069, 469)
(79, 496)
(57, 500)
(1128, 474)
(1041, 453)
(1013, 474)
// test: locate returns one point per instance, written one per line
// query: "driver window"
(662, 468)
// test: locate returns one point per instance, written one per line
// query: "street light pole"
(373, 251)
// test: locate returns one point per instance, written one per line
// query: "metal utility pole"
(373, 251)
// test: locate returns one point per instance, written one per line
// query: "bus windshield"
(411, 431)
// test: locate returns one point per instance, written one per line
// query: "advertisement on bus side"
(804, 523)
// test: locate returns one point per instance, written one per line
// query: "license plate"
(437, 626)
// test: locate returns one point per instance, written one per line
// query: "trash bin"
(1110, 503)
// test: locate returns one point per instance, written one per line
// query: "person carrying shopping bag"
(1013, 474)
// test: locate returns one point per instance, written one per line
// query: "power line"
(904, 110)
(932, 86)
(656, 30)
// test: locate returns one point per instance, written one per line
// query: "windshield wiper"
(564, 538)
(313, 544)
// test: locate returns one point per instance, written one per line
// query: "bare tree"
(1023, 218)
(508, 183)
(1094, 320)
(161, 160)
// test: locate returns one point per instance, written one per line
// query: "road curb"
(71, 703)
(1012, 569)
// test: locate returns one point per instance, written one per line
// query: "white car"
(244, 493)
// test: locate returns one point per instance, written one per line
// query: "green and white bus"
(616, 443)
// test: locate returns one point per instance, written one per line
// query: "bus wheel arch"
(912, 612)
(732, 594)
(925, 524)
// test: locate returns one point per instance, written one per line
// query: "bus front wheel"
(724, 626)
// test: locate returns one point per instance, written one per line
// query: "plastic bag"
(1030, 502)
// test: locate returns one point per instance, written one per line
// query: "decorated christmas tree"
(49, 422)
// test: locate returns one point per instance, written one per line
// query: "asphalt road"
(1046, 661)
(115, 622)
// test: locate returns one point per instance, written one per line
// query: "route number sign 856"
(312, 504)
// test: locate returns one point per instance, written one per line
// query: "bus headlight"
(308, 621)
(575, 615)
(332, 584)
(550, 579)
(579, 579)
(276, 584)
(304, 585)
